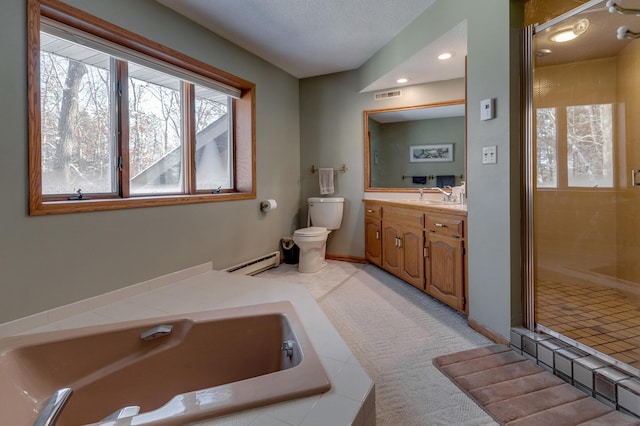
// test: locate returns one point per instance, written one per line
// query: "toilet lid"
(311, 231)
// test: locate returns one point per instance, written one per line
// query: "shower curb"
(614, 385)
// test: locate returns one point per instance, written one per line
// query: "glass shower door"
(586, 202)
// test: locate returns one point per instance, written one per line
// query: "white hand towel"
(326, 180)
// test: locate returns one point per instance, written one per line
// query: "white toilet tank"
(326, 212)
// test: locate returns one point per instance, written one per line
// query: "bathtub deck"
(351, 398)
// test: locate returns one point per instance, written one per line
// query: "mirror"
(415, 147)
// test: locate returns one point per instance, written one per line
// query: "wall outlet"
(487, 109)
(490, 154)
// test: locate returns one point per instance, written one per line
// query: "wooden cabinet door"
(373, 241)
(446, 270)
(412, 249)
(390, 253)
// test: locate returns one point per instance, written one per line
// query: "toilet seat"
(312, 231)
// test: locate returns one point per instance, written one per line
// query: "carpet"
(395, 330)
(517, 392)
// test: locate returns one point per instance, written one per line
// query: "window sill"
(39, 207)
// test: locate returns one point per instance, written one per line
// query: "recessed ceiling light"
(446, 55)
(570, 33)
(402, 80)
(563, 36)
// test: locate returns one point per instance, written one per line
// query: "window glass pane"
(213, 146)
(590, 145)
(546, 148)
(77, 146)
(155, 132)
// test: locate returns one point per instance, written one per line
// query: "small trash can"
(290, 251)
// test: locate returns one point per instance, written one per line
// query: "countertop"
(424, 204)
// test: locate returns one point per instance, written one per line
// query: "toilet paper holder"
(268, 205)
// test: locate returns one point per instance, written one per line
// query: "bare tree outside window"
(546, 148)
(119, 121)
(213, 149)
(590, 145)
(155, 135)
(76, 147)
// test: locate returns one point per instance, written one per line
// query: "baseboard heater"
(257, 265)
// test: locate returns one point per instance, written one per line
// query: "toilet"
(325, 215)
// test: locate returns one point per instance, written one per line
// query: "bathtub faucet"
(49, 414)
(156, 332)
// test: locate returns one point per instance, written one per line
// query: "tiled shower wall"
(616, 386)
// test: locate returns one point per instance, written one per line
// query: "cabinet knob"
(369, 211)
(440, 225)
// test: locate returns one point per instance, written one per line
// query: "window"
(117, 121)
(547, 148)
(590, 146)
(586, 159)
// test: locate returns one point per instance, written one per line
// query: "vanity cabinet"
(422, 245)
(444, 262)
(373, 233)
(403, 243)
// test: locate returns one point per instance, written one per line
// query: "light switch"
(487, 109)
(490, 154)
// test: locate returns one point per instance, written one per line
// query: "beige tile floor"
(604, 318)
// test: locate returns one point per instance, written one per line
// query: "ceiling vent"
(386, 95)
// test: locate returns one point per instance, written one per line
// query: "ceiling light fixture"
(570, 33)
(402, 80)
(446, 55)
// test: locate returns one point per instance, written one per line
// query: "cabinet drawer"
(449, 226)
(404, 216)
(373, 211)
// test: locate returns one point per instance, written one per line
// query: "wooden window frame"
(244, 147)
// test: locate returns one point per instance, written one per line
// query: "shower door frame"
(528, 170)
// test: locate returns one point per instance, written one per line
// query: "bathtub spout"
(122, 413)
(49, 414)
(156, 332)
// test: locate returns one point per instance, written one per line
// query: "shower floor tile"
(603, 318)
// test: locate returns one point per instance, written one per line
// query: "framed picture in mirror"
(431, 153)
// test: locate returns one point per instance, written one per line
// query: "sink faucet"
(421, 191)
(446, 195)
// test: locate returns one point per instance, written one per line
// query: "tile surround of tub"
(594, 375)
(351, 399)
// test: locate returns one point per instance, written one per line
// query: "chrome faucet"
(421, 191)
(49, 414)
(446, 195)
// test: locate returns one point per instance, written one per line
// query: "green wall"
(332, 133)
(51, 261)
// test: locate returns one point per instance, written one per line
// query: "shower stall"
(583, 178)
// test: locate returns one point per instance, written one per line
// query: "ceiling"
(599, 39)
(308, 39)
